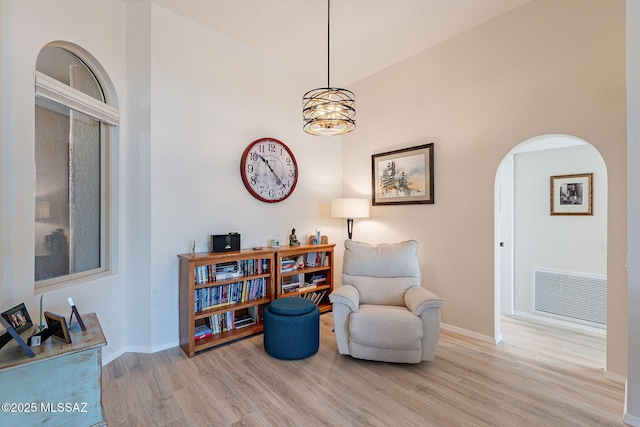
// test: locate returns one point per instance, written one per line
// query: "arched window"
(73, 121)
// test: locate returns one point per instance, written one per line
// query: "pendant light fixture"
(329, 111)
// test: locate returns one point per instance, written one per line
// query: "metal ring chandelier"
(329, 111)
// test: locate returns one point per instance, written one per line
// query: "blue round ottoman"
(291, 328)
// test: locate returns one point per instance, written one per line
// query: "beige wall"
(632, 403)
(549, 67)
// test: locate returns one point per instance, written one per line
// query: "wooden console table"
(60, 386)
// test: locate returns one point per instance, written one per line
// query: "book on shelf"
(203, 336)
(292, 283)
(317, 259)
(202, 331)
(255, 311)
(317, 279)
(243, 321)
(311, 259)
(231, 293)
(230, 270)
(222, 322)
(287, 265)
(316, 297)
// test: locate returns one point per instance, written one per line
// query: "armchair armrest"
(347, 295)
(418, 299)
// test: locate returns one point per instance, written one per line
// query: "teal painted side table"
(60, 386)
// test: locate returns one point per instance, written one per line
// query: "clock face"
(269, 170)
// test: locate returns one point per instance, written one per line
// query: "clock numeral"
(272, 147)
(254, 180)
(272, 193)
(250, 168)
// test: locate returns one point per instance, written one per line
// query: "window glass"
(70, 150)
(67, 68)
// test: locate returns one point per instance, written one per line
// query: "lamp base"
(350, 227)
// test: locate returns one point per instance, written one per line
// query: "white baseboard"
(470, 334)
(139, 349)
(548, 320)
(631, 420)
(615, 377)
(113, 356)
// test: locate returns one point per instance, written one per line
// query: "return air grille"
(571, 295)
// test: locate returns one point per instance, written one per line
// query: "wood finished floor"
(538, 376)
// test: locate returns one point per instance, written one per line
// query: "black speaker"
(225, 242)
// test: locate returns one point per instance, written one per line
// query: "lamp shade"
(350, 208)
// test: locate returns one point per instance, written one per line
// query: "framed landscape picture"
(572, 194)
(403, 177)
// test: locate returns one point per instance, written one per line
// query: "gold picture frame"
(572, 194)
(58, 326)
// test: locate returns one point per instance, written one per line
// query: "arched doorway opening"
(531, 242)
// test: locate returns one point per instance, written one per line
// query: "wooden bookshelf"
(285, 280)
(208, 291)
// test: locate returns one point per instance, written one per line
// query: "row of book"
(299, 282)
(287, 265)
(317, 259)
(316, 297)
(313, 259)
(231, 293)
(230, 270)
(223, 322)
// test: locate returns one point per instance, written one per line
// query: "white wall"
(548, 67)
(27, 27)
(209, 97)
(570, 244)
(190, 102)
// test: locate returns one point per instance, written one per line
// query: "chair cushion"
(386, 327)
(381, 273)
(381, 290)
(382, 260)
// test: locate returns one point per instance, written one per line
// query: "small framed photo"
(18, 317)
(572, 194)
(58, 326)
(403, 177)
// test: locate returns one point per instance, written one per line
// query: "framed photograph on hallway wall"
(403, 177)
(572, 194)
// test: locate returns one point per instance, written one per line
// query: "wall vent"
(571, 295)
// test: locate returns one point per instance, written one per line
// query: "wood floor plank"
(538, 375)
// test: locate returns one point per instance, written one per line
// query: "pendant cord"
(328, 38)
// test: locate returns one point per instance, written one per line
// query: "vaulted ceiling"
(366, 35)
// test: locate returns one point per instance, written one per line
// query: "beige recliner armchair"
(381, 311)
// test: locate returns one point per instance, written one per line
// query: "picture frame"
(403, 177)
(572, 194)
(18, 317)
(58, 326)
(12, 334)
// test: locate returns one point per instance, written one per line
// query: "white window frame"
(51, 89)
